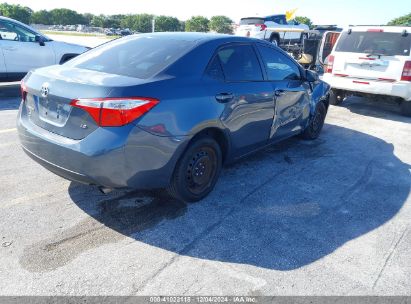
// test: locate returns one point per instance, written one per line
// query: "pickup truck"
(275, 29)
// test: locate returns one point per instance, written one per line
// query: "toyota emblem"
(44, 90)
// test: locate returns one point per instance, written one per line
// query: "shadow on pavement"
(9, 96)
(378, 107)
(282, 208)
(9, 103)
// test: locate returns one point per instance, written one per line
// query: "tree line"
(136, 22)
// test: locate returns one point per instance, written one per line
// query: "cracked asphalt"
(328, 217)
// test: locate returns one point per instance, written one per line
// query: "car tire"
(316, 122)
(197, 171)
(406, 108)
(335, 97)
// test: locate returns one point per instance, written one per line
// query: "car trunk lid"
(49, 92)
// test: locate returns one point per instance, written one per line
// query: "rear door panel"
(248, 112)
(249, 115)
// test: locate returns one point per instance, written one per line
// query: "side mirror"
(40, 40)
(311, 76)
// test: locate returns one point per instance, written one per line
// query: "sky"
(340, 12)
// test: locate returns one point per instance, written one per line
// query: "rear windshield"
(247, 21)
(139, 57)
(379, 43)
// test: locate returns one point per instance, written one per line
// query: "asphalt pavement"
(327, 217)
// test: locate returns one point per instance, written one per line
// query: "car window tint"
(383, 43)
(278, 66)
(279, 19)
(251, 21)
(14, 32)
(214, 69)
(133, 56)
(240, 63)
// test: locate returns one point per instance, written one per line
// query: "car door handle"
(279, 93)
(224, 97)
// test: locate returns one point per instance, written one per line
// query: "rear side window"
(214, 69)
(279, 19)
(240, 63)
(278, 66)
(382, 43)
(251, 21)
(139, 57)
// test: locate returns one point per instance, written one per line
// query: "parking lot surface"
(327, 217)
(82, 40)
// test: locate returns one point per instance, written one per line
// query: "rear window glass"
(247, 21)
(139, 57)
(382, 43)
(279, 19)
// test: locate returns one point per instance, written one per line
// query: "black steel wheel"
(316, 123)
(197, 171)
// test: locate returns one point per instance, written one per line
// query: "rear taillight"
(115, 112)
(261, 26)
(330, 64)
(406, 72)
(23, 91)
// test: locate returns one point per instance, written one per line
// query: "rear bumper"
(397, 89)
(126, 157)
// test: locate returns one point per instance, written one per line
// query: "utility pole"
(153, 24)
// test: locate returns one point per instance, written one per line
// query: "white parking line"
(8, 130)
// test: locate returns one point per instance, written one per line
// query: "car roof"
(196, 37)
(276, 15)
(385, 28)
(13, 20)
(263, 17)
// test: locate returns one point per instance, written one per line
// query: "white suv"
(22, 48)
(273, 28)
(371, 60)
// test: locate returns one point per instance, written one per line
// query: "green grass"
(47, 32)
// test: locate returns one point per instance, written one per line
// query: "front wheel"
(316, 123)
(197, 171)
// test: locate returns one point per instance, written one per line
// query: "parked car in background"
(274, 29)
(372, 60)
(318, 46)
(166, 110)
(22, 48)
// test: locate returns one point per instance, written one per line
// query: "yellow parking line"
(8, 130)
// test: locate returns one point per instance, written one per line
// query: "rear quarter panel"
(185, 107)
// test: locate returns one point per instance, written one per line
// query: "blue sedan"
(166, 110)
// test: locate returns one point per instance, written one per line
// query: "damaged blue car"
(166, 110)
